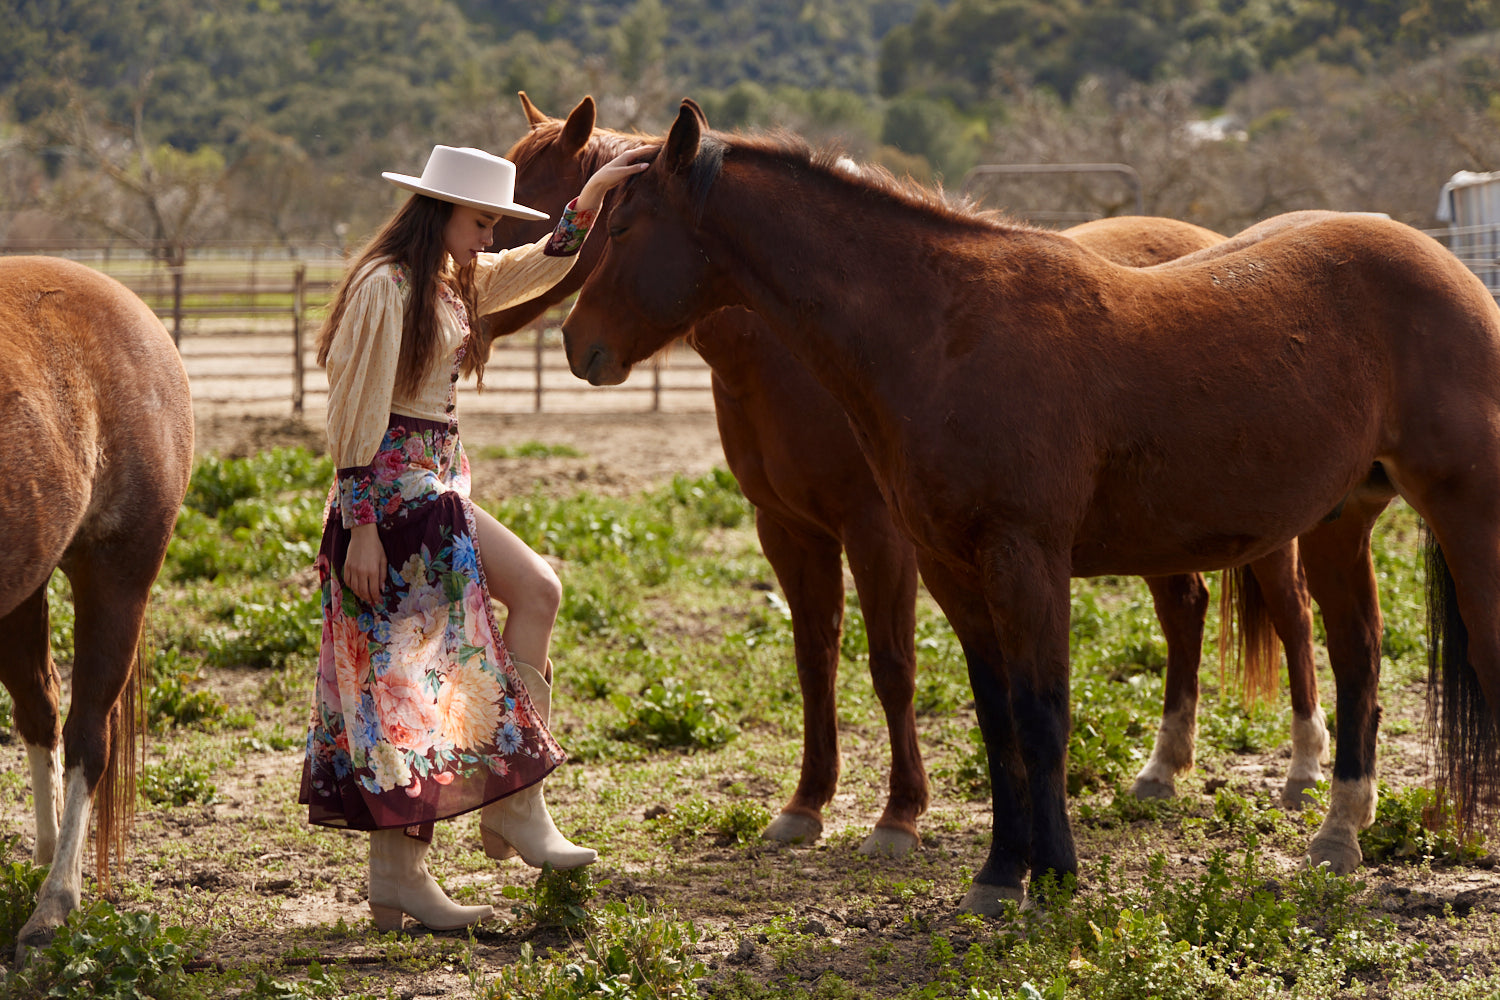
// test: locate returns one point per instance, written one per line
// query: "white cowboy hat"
(469, 177)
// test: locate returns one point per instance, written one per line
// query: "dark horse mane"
(605, 144)
(870, 178)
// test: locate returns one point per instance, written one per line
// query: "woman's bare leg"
(522, 581)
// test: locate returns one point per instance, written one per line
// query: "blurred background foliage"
(186, 121)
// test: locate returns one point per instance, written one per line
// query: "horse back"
(1140, 241)
(1343, 287)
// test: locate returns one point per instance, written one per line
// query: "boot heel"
(495, 846)
(387, 918)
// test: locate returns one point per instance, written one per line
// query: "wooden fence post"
(177, 270)
(537, 331)
(299, 288)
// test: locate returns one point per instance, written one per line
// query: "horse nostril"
(593, 364)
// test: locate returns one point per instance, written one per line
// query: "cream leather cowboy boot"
(400, 884)
(520, 823)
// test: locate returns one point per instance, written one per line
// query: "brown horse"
(1034, 412)
(99, 430)
(789, 445)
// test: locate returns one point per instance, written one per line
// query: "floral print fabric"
(567, 239)
(354, 484)
(418, 712)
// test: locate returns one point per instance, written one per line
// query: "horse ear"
(533, 115)
(578, 128)
(681, 148)
(688, 102)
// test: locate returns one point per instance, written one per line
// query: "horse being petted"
(1034, 412)
(98, 451)
(789, 445)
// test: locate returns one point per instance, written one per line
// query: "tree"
(113, 177)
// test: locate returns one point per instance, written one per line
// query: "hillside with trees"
(199, 120)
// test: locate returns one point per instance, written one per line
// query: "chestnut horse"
(1035, 412)
(99, 431)
(789, 445)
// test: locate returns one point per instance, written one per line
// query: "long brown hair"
(413, 238)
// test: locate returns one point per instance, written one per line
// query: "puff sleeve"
(361, 379)
(503, 279)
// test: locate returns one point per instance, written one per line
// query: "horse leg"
(811, 572)
(1031, 622)
(1018, 668)
(1463, 589)
(1181, 603)
(884, 566)
(31, 678)
(1000, 880)
(1283, 587)
(1341, 578)
(110, 603)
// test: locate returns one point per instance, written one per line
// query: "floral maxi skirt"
(418, 713)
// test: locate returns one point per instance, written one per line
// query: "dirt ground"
(240, 866)
(621, 453)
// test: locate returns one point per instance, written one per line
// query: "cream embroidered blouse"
(365, 348)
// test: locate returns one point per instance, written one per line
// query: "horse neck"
(832, 269)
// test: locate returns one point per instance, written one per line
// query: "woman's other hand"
(622, 167)
(365, 566)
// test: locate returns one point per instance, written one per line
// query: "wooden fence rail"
(247, 329)
(245, 320)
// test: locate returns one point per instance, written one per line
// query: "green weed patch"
(676, 697)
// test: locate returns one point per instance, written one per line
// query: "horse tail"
(1248, 654)
(1465, 740)
(114, 797)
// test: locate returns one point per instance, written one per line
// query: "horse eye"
(615, 232)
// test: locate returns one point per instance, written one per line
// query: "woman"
(423, 710)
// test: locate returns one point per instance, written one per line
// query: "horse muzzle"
(597, 366)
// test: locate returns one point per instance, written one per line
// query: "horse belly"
(1093, 556)
(1188, 532)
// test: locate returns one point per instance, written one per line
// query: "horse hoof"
(31, 941)
(885, 842)
(991, 900)
(1151, 788)
(1341, 857)
(1294, 795)
(793, 828)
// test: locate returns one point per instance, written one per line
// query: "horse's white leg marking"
(1309, 748)
(63, 886)
(47, 796)
(793, 828)
(1172, 755)
(1351, 808)
(884, 842)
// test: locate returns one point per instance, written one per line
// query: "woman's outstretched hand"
(621, 168)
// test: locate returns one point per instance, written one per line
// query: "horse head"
(658, 273)
(551, 165)
(553, 160)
